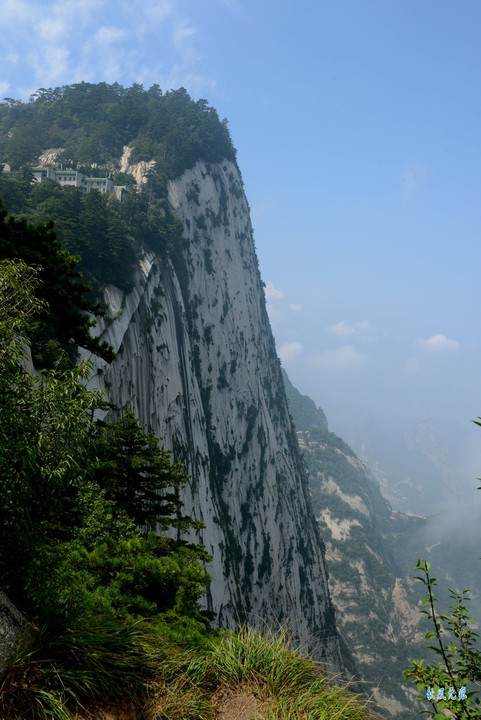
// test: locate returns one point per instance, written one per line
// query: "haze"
(357, 124)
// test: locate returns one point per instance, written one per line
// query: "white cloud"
(14, 11)
(235, 8)
(364, 325)
(276, 308)
(272, 293)
(107, 35)
(231, 5)
(342, 328)
(52, 30)
(438, 344)
(182, 33)
(274, 313)
(54, 64)
(289, 351)
(158, 11)
(340, 358)
(149, 42)
(412, 179)
(13, 58)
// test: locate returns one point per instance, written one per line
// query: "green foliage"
(455, 644)
(63, 321)
(72, 492)
(108, 658)
(105, 236)
(44, 423)
(305, 413)
(132, 576)
(18, 307)
(132, 469)
(94, 122)
(91, 226)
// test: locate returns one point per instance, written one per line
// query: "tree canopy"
(73, 491)
(94, 122)
(90, 126)
(66, 315)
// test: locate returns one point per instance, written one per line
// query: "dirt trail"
(238, 704)
(228, 703)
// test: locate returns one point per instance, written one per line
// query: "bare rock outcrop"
(14, 628)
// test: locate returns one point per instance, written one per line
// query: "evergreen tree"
(138, 475)
(64, 320)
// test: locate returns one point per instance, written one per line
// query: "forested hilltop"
(89, 127)
(92, 124)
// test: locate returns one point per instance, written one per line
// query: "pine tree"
(64, 320)
(140, 476)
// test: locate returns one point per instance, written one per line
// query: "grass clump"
(163, 678)
(265, 665)
(177, 699)
(109, 659)
(251, 656)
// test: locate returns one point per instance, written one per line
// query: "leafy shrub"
(455, 644)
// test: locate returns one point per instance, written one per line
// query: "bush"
(460, 658)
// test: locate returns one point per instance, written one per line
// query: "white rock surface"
(197, 363)
(13, 629)
(138, 170)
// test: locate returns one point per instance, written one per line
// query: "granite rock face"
(14, 627)
(197, 363)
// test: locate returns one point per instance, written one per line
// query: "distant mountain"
(422, 468)
(302, 408)
(406, 476)
(376, 605)
(371, 551)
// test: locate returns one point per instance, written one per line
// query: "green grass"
(265, 662)
(165, 679)
(108, 659)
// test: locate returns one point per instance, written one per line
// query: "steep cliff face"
(197, 363)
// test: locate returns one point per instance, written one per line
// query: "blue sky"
(357, 125)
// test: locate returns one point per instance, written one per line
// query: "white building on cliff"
(74, 178)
